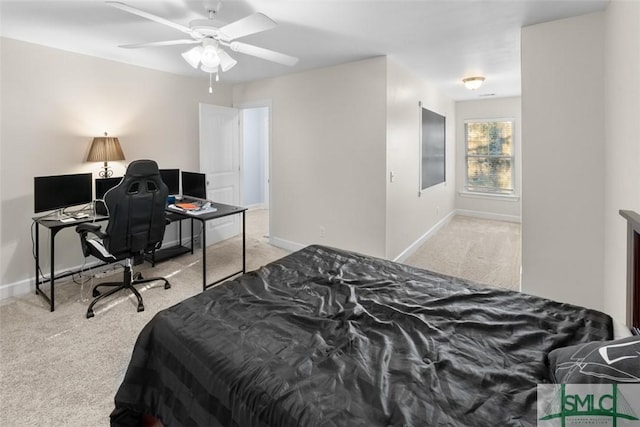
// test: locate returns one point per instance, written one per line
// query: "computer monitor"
(194, 184)
(61, 191)
(105, 184)
(171, 177)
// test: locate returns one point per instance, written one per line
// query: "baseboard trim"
(489, 215)
(28, 285)
(286, 244)
(17, 289)
(412, 248)
(25, 286)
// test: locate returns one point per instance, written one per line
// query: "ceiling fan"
(209, 55)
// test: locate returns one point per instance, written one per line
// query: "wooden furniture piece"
(633, 268)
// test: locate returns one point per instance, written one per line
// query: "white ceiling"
(442, 41)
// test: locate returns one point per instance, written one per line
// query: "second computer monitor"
(194, 184)
(171, 177)
(105, 184)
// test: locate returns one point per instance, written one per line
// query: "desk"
(54, 227)
(163, 254)
(221, 211)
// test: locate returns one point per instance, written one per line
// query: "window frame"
(512, 157)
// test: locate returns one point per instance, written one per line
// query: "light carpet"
(60, 369)
(481, 250)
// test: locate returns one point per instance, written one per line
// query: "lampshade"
(192, 56)
(226, 61)
(473, 83)
(105, 149)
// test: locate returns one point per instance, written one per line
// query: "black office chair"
(136, 209)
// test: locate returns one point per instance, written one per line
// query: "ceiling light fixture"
(473, 83)
(209, 57)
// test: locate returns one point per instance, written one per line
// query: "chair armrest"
(84, 229)
(88, 227)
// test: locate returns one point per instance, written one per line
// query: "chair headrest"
(139, 168)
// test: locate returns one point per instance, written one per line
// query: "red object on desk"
(187, 206)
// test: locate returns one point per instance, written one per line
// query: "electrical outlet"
(322, 231)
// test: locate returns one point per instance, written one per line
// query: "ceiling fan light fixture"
(473, 83)
(210, 70)
(193, 55)
(226, 61)
(210, 57)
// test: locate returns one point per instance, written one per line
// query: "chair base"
(128, 283)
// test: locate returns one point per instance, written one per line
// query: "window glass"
(490, 160)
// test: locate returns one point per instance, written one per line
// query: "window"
(490, 156)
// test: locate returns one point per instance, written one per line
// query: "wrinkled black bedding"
(325, 337)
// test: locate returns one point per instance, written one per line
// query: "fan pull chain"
(210, 82)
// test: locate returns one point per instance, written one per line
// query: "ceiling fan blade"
(243, 27)
(149, 16)
(155, 44)
(263, 53)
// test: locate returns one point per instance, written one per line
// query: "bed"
(326, 337)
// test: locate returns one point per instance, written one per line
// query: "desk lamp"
(104, 149)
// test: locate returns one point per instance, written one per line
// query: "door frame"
(268, 104)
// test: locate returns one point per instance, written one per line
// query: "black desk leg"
(49, 298)
(53, 264)
(37, 258)
(192, 223)
(203, 233)
(244, 243)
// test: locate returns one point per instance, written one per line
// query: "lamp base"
(106, 173)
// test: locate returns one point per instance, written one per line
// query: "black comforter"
(325, 337)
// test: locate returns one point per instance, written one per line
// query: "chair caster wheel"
(138, 276)
(140, 308)
(90, 314)
(167, 285)
(95, 293)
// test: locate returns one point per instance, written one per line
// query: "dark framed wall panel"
(432, 148)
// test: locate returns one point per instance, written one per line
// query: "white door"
(220, 161)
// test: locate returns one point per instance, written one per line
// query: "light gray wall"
(563, 172)
(622, 143)
(337, 132)
(497, 207)
(411, 214)
(327, 155)
(53, 104)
